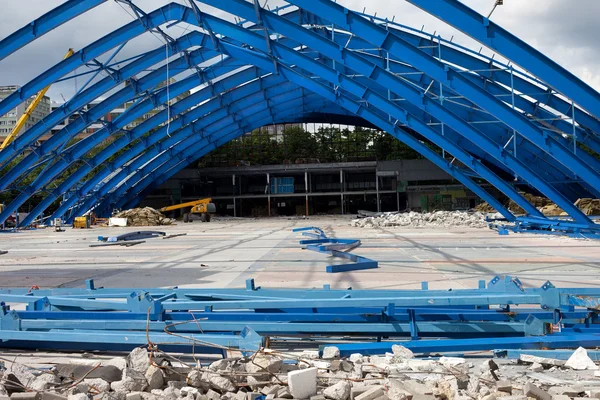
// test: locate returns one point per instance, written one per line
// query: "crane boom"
(185, 205)
(21, 122)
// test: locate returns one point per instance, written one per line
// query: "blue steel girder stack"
(533, 127)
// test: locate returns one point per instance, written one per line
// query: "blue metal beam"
(388, 41)
(492, 35)
(44, 24)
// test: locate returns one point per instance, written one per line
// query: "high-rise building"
(9, 121)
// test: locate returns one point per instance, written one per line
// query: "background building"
(302, 170)
(8, 121)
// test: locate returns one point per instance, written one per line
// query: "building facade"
(9, 121)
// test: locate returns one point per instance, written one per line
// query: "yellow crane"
(204, 207)
(21, 122)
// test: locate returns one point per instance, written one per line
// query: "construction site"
(298, 199)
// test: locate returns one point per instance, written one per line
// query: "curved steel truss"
(475, 117)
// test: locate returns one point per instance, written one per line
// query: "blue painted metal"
(100, 316)
(490, 34)
(350, 77)
(323, 244)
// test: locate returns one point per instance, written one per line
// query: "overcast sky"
(565, 30)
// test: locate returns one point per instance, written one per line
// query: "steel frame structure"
(475, 319)
(475, 117)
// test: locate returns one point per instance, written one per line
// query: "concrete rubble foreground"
(444, 219)
(270, 375)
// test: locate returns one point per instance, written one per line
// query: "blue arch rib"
(100, 88)
(377, 113)
(44, 24)
(72, 157)
(386, 80)
(354, 108)
(531, 209)
(490, 34)
(185, 124)
(388, 41)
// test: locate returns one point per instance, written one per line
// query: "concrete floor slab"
(226, 252)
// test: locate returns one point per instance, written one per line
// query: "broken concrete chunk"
(416, 388)
(221, 383)
(330, 352)
(79, 396)
(370, 394)
(533, 391)
(26, 396)
(339, 391)
(402, 352)
(452, 361)
(98, 384)
(529, 359)
(44, 382)
(53, 396)
(219, 365)
(580, 360)
(154, 377)
(397, 391)
(356, 358)
(263, 364)
(536, 367)
(212, 395)
(561, 397)
(284, 393)
(303, 383)
(340, 365)
(139, 360)
(194, 379)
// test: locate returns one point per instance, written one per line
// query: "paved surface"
(224, 253)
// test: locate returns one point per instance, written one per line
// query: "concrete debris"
(146, 216)
(402, 352)
(547, 207)
(529, 359)
(339, 391)
(580, 360)
(330, 352)
(396, 376)
(437, 219)
(139, 360)
(303, 383)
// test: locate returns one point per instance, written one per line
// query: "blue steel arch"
(427, 108)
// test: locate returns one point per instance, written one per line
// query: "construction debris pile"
(547, 207)
(436, 219)
(395, 376)
(589, 206)
(146, 216)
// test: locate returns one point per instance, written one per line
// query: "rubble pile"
(547, 207)
(589, 206)
(146, 216)
(413, 219)
(395, 376)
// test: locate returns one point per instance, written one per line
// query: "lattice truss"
(525, 123)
